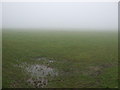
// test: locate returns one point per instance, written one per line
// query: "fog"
(0, 15)
(81, 16)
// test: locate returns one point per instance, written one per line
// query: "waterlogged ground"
(39, 73)
(60, 59)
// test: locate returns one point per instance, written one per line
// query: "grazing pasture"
(59, 59)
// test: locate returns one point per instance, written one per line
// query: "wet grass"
(0, 58)
(82, 59)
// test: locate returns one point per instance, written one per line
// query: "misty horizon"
(64, 16)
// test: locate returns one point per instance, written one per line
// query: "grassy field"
(0, 58)
(79, 59)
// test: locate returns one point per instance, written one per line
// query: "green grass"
(0, 58)
(75, 53)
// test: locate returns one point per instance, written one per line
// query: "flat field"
(59, 59)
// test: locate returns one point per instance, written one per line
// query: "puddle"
(39, 73)
(40, 70)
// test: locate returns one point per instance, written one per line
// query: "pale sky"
(0, 15)
(82, 15)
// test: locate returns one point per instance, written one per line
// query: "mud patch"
(38, 82)
(39, 74)
(95, 71)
